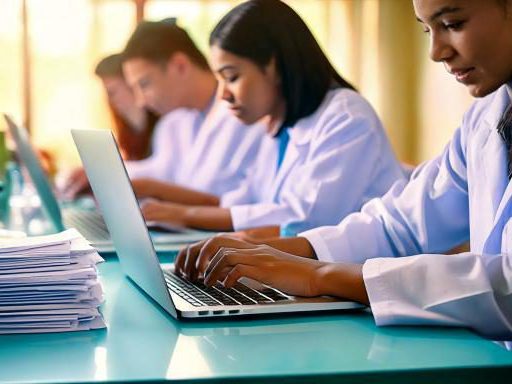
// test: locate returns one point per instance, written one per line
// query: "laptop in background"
(89, 223)
(139, 261)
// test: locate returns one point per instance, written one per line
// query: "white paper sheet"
(49, 284)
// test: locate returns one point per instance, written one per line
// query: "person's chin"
(244, 118)
(481, 90)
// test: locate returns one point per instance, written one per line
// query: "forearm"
(185, 196)
(262, 233)
(341, 280)
(208, 218)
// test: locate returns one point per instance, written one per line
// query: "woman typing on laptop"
(464, 193)
(325, 152)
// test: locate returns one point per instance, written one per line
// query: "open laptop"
(88, 222)
(138, 259)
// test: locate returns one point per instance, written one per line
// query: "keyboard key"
(239, 297)
(252, 293)
(199, 294)
(273, 294)
(89, 223)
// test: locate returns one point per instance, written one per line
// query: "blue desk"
(142, 343)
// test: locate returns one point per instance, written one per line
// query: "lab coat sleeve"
(423, 218)
(430, 214)
(334, 177)
(152, 167)
(452, 290)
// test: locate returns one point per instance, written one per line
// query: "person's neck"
(275, 120)
(202, 90)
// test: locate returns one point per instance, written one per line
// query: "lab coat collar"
(501, 100)
(302, 132)
(301, 135)
(296, 146)
(495, 159)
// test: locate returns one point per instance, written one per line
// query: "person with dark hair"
(200, 151)
(389, 255)
(133, 125)
(325, 152)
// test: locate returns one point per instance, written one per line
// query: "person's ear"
(180, 62)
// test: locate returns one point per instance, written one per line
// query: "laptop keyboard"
(200, 295)
(89, 223)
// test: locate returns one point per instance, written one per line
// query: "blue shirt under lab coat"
(336, 159)
(463, 194)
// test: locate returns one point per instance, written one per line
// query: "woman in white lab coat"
(325, 144)
(466, 192)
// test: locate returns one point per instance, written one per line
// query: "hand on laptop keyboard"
(291, 274)
(71, 185)
(199, 294)
(192, 261)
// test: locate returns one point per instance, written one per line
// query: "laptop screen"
(29, 158)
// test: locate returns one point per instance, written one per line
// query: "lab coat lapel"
(291, 157)
(503, 215)
(497, 185)
(486, 184)
(494, 241)
(296, 152)
(495, 161)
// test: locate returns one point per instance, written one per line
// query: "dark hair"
(134, 145)
(505, 4)
(158, 40)
(110, 66)
(260, 30)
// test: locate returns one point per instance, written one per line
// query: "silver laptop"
(138, 258)
(89, 222)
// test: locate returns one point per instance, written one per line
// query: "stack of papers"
(49, 284)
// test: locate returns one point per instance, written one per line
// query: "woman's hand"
(291, 274)
(75, 184)
(191, 261)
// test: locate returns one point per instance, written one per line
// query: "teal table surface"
(143, 343)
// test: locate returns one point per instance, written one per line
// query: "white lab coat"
(340, 153)
(209, 151)
(464, 193)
